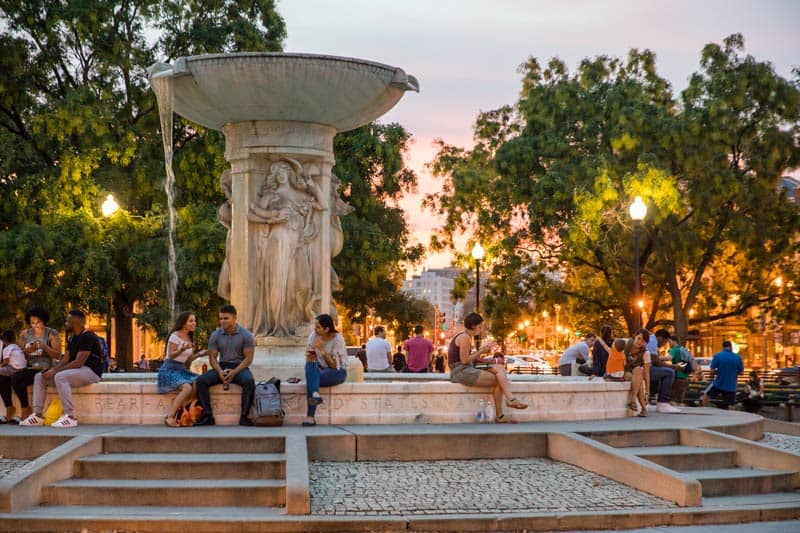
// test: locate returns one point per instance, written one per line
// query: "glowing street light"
(638, 211)
(477, 255)
(110, 206)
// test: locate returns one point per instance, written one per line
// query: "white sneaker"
(667, 408)
(32, 420)
(66, 421)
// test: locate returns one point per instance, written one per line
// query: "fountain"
(279, 113)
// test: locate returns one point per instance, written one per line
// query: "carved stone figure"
(287, 213)
(224, 215)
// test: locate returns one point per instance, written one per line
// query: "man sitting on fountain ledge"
(82, 365)
(235, 346)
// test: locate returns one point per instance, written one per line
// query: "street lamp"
(638, 211)
(108, 208)
(477, 255)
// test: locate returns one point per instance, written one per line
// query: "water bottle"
(489, 413)
(481, 418)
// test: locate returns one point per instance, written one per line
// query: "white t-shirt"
(335, 348)
(17, 356)
(177, 341)
(377, 350)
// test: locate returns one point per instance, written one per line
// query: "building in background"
(436, 286)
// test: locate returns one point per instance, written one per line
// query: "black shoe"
(206, 421)
(244, 421)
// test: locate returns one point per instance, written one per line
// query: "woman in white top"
(12, 360)
(326, 363)
(174, 374)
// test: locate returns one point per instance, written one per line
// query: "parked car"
(789, 375)
(526, 364)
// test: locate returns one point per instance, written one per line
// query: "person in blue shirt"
(726, 366)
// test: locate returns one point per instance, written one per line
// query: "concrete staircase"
(718, 469)
(144, 479)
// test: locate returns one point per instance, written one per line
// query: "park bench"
(775, 395)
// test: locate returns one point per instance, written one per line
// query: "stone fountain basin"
(345, 93)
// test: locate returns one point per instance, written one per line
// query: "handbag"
(53, 411)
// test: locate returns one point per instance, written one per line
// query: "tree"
(550, 179)
(369, 163)
(78, 120)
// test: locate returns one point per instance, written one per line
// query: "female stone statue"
(287, 213)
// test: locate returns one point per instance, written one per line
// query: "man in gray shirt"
(578, 352)
(235, 346)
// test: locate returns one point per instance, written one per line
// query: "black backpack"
(267, 404)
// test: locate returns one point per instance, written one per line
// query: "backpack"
(190, 414)
(267, 403)
(686, 357)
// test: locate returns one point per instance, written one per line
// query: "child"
(615, 367)
(623, 365)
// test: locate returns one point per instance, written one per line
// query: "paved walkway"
(466, 487)
(787, 443)
(792, 526)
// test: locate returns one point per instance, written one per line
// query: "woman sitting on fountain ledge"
(326, 363)
(469, 368)
(174, 374)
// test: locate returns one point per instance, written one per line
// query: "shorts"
(464, 374)
(728, 397)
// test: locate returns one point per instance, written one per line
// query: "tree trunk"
(123, 322)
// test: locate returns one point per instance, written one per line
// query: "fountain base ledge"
(432, 400)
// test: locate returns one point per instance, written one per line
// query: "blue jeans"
(666, 376)
(317, 377)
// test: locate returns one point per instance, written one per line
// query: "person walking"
(82, 365)
(726, 366)
(230, 352)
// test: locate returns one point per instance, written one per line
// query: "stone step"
(178, 493)
(625, 439)
(681, 458)
(151, 519)
(738, 481)
(182, 466)
(192, 444)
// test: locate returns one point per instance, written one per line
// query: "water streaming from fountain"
(162, 86)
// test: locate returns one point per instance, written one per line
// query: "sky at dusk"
(465, 53)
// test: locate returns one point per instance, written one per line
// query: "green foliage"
(550, 179)
(78, 120)
(369, 163)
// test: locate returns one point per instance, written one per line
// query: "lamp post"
(108, 208)
(477, 255)
(638, 211)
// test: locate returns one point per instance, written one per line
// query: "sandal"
(516, 404)
(642, 413)
(505, 419)
(171, 422)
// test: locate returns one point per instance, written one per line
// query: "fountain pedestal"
(275, 107)
(251, 148)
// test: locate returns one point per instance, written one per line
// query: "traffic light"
(443, 320)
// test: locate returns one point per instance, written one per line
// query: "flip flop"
(516, 404)
(505, 419)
